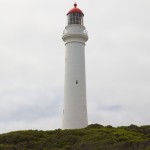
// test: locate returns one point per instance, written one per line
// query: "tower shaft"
(75, 107)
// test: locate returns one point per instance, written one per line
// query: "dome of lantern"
(75, 10)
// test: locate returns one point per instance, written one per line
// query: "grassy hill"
(93, 137)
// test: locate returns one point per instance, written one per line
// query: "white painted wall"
(75, 108)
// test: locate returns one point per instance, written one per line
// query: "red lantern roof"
(75, 10)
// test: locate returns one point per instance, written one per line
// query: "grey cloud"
(32, 62)
(26, 105)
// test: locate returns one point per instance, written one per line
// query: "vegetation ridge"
(93, 137)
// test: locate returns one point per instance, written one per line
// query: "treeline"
(93, 137)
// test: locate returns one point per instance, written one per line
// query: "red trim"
(75, 10)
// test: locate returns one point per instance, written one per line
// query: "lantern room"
(75, 16)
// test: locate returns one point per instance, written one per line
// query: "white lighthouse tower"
(75, 36)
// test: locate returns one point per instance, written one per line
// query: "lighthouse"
(75, 36)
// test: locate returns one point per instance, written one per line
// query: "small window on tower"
(76, 81)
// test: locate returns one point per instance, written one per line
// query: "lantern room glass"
(75, 18)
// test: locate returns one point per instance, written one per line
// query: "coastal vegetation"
(93, 137)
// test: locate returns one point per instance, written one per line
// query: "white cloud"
(32, 62)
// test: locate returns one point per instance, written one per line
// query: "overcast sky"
(32, 62)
